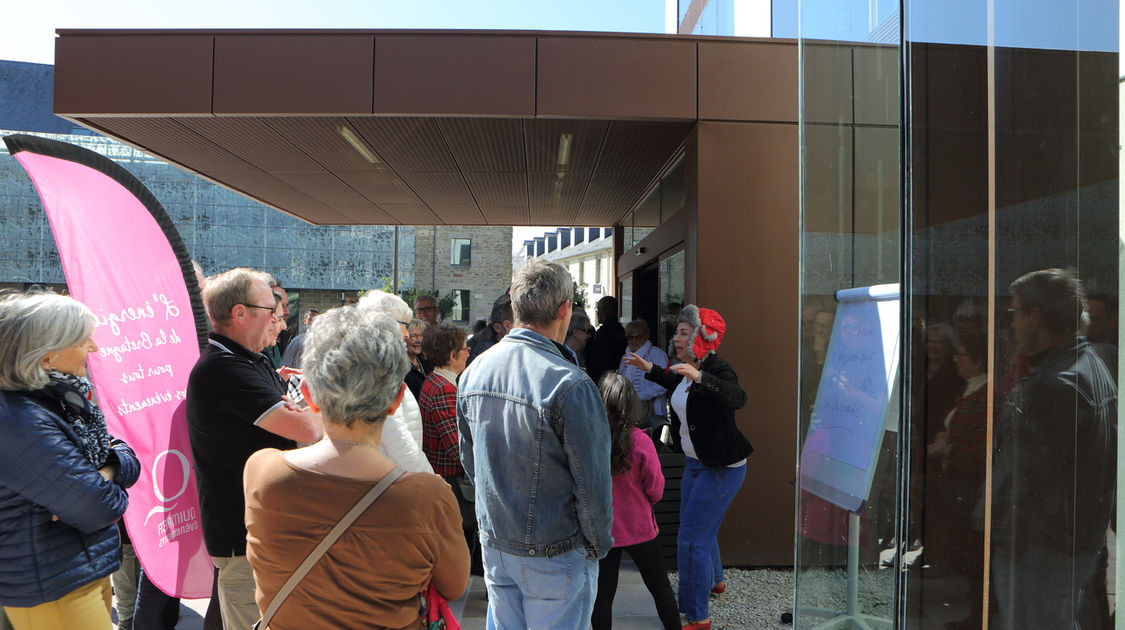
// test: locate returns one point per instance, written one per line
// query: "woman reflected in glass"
(959, 446)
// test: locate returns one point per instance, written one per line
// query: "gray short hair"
(417, 324)
(227, 289)
(354, 363)
(33, 325)
(538, 289)
(388, 304)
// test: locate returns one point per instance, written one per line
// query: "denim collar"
(530, 336)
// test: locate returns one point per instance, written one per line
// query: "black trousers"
(154, 610)
(650, 562)
(463, 492)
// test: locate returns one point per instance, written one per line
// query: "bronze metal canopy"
(418, 128)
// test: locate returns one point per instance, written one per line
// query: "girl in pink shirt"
(637, 485)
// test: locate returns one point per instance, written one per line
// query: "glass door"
(990, 201)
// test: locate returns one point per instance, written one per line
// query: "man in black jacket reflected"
(1054, 466)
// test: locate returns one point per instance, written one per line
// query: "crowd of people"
(498, 456)
(503, 456)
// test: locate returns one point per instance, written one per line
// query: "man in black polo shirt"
(236, 406)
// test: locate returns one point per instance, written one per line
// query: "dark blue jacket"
(43, 473)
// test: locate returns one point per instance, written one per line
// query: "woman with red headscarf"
(705, 395)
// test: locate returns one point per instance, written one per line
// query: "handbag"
(435, 611)
(318, 551)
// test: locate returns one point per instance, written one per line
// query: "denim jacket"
(535, 443)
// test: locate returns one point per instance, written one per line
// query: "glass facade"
(672, 289)
(969, 169)
(660, 204)
(220, 228)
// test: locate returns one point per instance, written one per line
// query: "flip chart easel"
(848, 420)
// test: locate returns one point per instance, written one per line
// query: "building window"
(582, 272)
(460, 250)
(461, 304)
(598, 271)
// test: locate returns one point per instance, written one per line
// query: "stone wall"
(486, 277)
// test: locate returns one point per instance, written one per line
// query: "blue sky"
(30, 24)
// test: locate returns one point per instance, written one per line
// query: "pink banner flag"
(124, 259)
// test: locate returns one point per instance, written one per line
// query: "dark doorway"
(646, 298)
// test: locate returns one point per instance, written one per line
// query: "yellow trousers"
(84, 608)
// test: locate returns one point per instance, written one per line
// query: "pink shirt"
(634, 492)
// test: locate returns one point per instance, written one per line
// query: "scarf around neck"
(74, 396)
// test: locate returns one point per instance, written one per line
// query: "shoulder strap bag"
(330, 538)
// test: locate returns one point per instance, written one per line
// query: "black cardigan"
(711, 404)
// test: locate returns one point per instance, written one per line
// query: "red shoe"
(719, 588)
(698, 625)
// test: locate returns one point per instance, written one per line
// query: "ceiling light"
(564, 149)
(357, 144)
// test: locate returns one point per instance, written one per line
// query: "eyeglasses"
(271, 309)
(426, 308)
(632, 337)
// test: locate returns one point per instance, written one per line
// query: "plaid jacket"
(439, 425)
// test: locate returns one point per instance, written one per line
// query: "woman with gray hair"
(62, 476)
(371, 576)
(420, 366)
(402, 433)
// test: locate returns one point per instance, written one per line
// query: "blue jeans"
(528, 593)
(705, 495)
(154, 609)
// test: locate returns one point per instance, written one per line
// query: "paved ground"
(632, 607)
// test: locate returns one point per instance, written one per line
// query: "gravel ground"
(756, 599)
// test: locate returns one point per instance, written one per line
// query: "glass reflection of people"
(959, 451)
(705, 395)
(943, 385)
(1100, 321)
(1054, 466)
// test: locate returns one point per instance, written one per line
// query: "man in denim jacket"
(535, 443)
